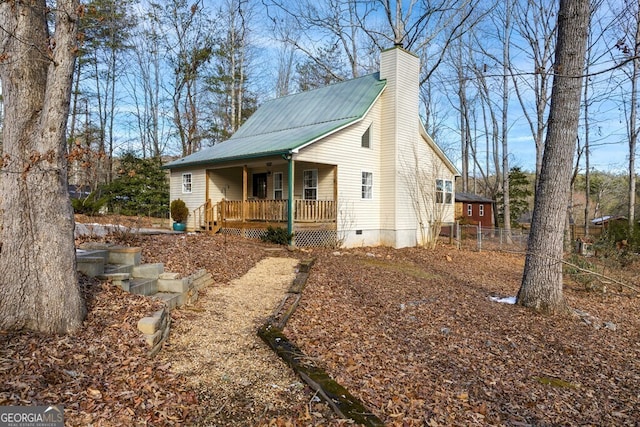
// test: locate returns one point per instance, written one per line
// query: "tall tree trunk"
(541, 287)
(633, 126)
(587, 172)
(505, 128)
(38, 280)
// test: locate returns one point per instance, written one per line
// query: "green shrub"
(277, 235)
(89, 205)
(179, 210)
(140, 188)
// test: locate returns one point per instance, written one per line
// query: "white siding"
(401, 134)
(225, 184)
(197, 196)
(399, 158)
(344, 150)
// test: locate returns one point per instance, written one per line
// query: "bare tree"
(338, 22)
(535, 24)
(38, 280)
(188, 45)
(541, 286)
(145, 81)
(428, 192)
(106, 31)
(628, 47)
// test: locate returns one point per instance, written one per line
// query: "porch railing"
(277, 210)
(210, 216)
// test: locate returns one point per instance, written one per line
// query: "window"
(277, 185)
(444, 191)
(481, 210)
(366, 138)
(469, 209)
(367, 185)
(310, 179)
(186, 183)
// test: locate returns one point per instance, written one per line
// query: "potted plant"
(179, 214)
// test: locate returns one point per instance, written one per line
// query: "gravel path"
(214, 344)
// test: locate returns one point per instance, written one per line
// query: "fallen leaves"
(101, 373)
(412, 333)
(433, 349)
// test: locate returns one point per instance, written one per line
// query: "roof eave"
(226, 159)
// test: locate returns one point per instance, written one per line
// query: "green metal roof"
(285, 124)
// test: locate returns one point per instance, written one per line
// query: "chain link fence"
(479, 238)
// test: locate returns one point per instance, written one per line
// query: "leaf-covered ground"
(412, 333)
(416, 336)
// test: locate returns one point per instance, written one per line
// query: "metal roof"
(285, 124)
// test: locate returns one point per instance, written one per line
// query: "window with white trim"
(444, 191)
(366, 138)
(277, 185)
(367, 185)
(481, 210)
(310, 184)
(186, 182)
(469, 209)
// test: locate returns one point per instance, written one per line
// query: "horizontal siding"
(196, 198)
(344, 150)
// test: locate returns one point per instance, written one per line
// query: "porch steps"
(211, 227)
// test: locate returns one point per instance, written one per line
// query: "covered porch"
(247, 199)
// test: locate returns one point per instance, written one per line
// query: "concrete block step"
(118, 268)
(124, 255)
(90, 265)
(143, 286)
(171, 299)
(118, 279)
(103, 253)
(173, 285)
(149, 271)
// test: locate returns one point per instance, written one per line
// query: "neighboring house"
(474, 209)
(349, 164)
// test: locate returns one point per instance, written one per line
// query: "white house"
(350, 163)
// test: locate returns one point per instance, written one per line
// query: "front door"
(260, 185)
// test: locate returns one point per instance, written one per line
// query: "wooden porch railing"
(207, 217)
(315, 211)
(309, 211)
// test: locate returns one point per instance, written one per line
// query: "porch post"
(335, 194)
(244, 192)
(291, 202)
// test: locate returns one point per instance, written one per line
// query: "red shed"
(474, 209)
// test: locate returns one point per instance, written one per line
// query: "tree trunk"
(38, 280)
(506, 57)
(541, 287)
(633, 126)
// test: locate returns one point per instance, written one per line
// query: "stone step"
(124, 255)
(148, 271)
(143, 286)
(171, 299)
(92, 253)
(118, 268)
(119, 279)
(90, 265)
(173, 285)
